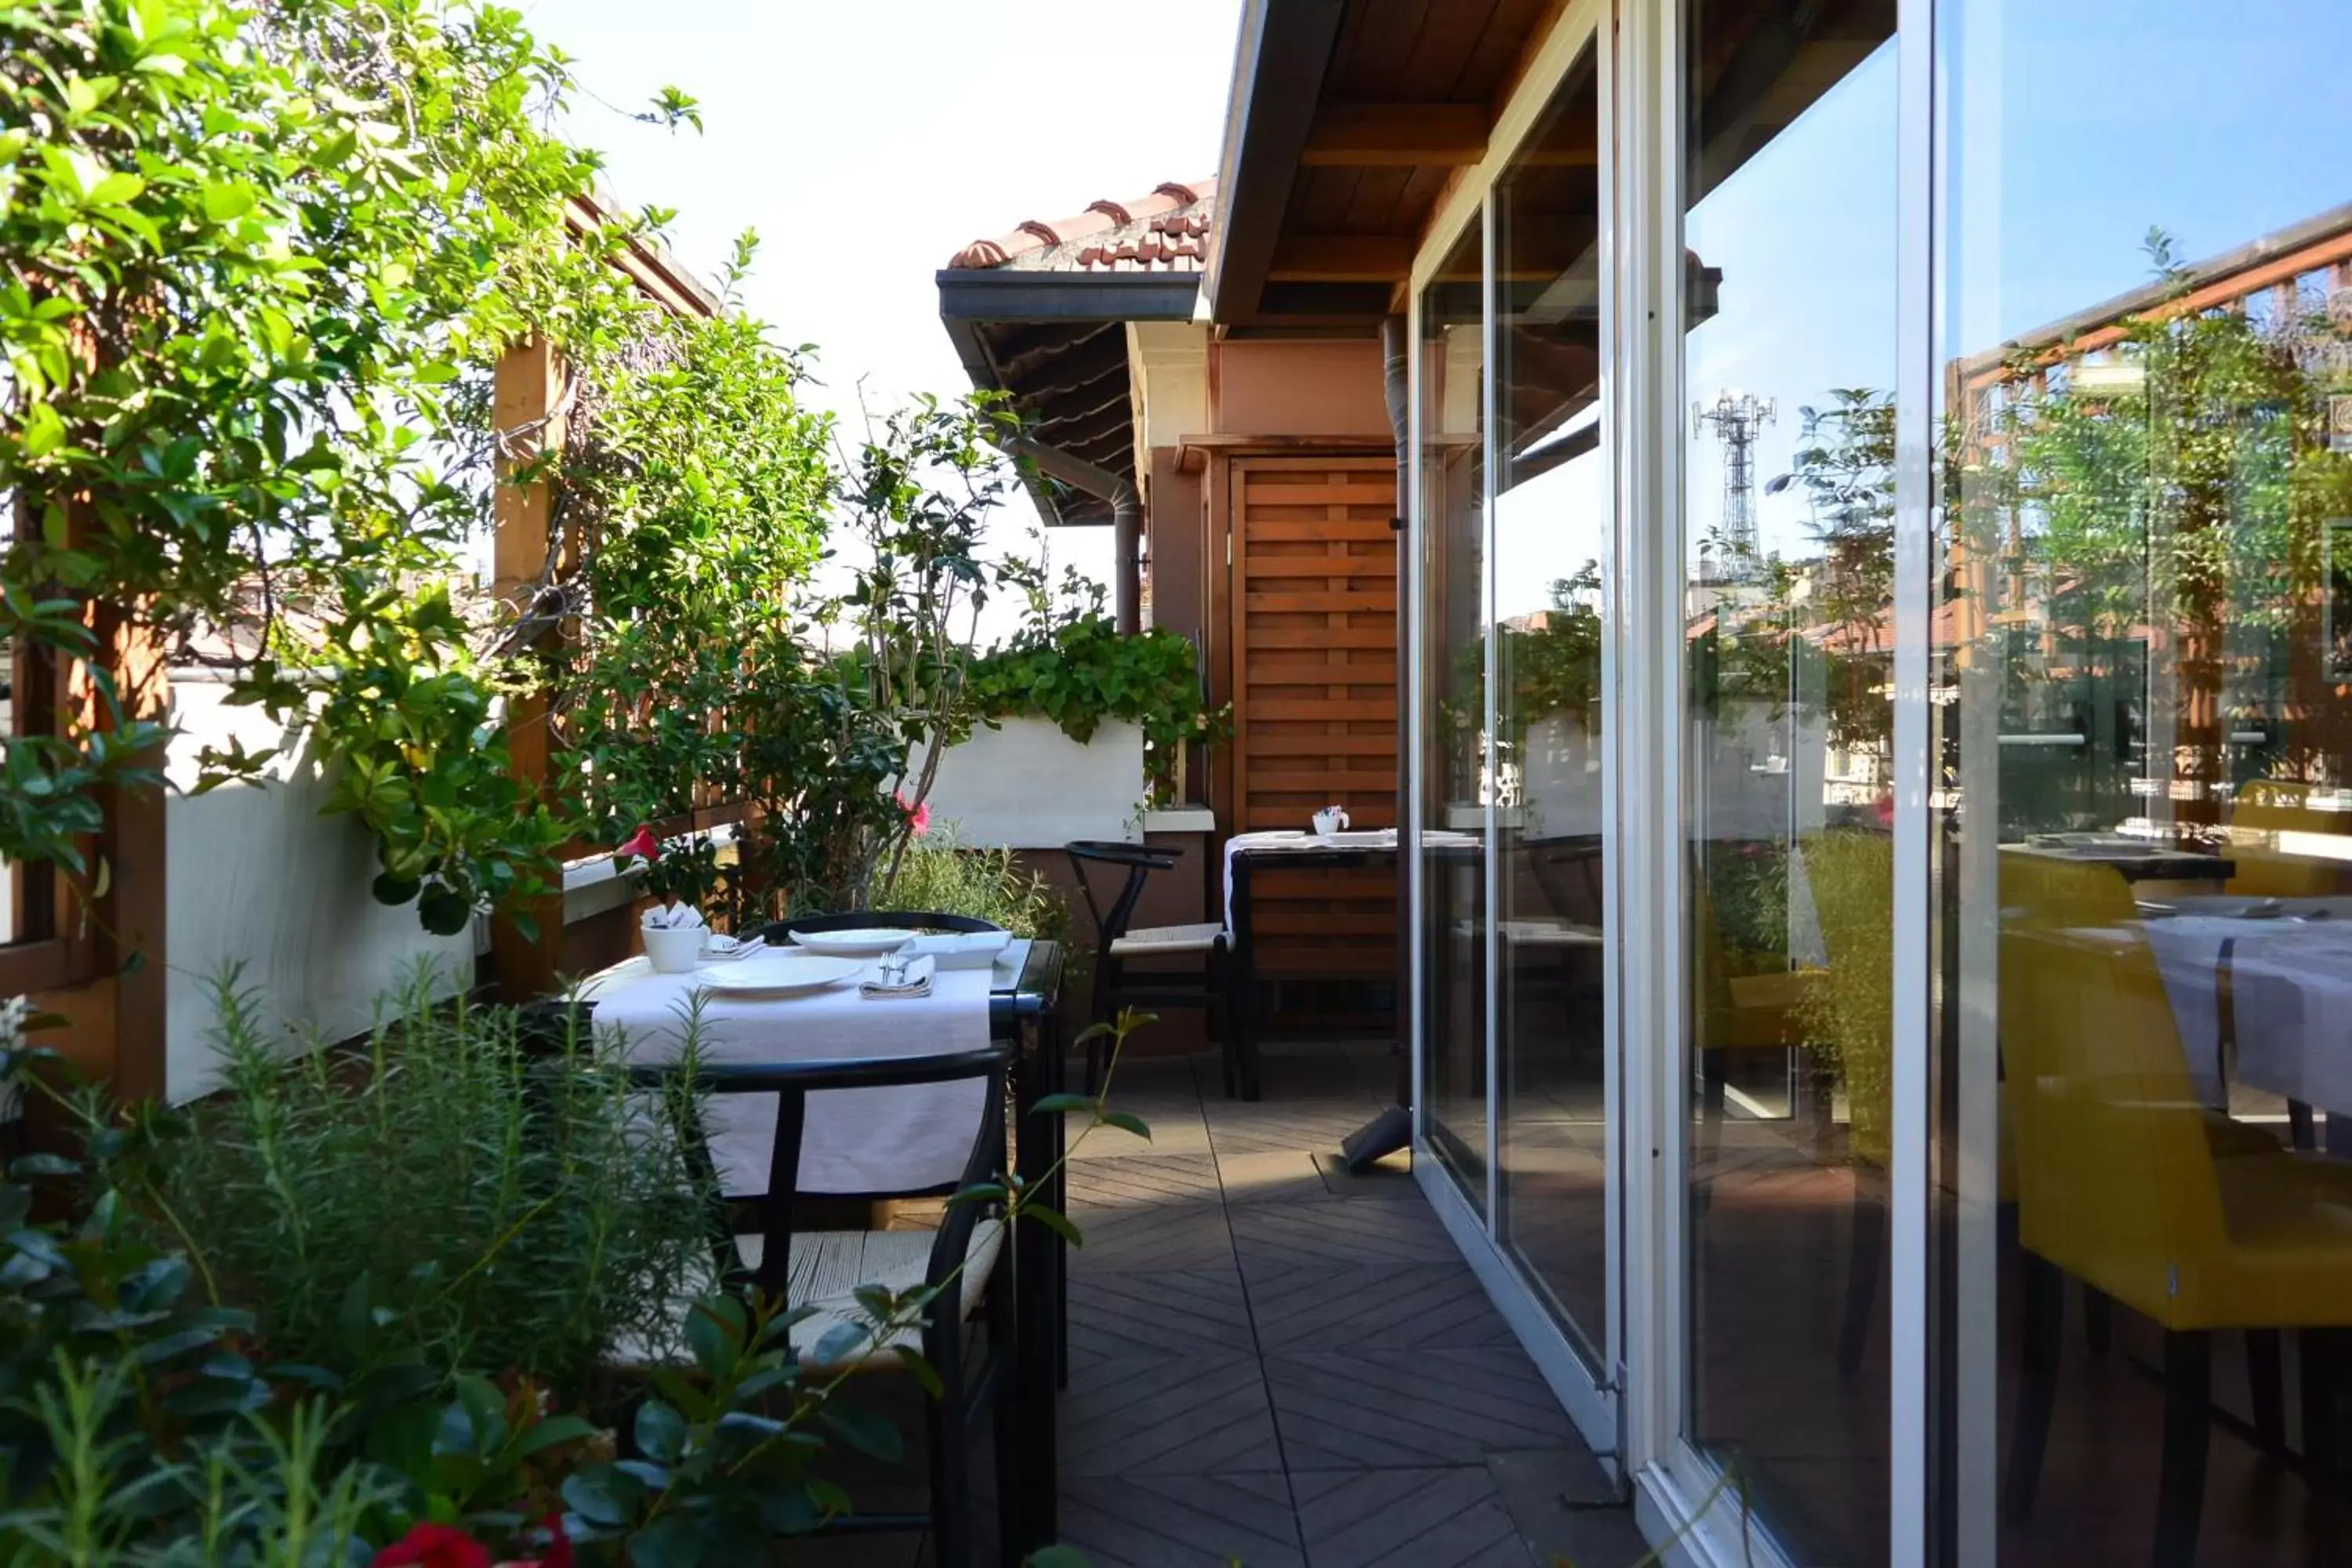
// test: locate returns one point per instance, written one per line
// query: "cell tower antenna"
(1737, 418)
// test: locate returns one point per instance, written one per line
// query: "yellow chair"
(1734, 1013)
(2123, 1185)
(1849, 1012)
(2265, 809)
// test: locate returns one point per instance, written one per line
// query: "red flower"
(643, 845)
(434, 1546)
(919, 817)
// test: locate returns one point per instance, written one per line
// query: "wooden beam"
(1396, 136)
(1341, 258)
(526, 409)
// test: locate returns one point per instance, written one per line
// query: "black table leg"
(1040, 1276)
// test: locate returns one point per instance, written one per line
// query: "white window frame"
(1633, 1415)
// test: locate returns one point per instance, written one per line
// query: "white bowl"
(673, 949)
(870, 942)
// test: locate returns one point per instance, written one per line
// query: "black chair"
(1118, 942)
(822, 1268)
(776, 933)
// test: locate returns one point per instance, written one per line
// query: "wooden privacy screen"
(1314, 638)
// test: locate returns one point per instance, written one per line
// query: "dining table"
(1023, 991)
(1245, 855)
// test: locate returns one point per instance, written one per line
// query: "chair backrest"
(1140, 859)
(1851, 1010)
(1568, 871)
(777, 931)
(2115, 1181)
(2265, 809)
(1736, 1012)
(683, 1083)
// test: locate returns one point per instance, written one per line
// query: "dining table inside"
(1023, 994)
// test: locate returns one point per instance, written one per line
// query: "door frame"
(1592, 1395)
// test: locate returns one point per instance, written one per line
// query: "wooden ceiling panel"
(1373, 60)
(1319, 201)
(1448, 44)
(1374, 210)
(1513, 34)
(1395, 134)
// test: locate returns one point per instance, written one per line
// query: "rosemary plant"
(451, 1193)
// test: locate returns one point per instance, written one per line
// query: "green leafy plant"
(261, 260)
(508, 1206)
(1072, 666)
(942, 875)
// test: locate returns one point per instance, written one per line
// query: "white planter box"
(257, 876)
(1027, 786)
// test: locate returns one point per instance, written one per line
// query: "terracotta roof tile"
(1167, 231)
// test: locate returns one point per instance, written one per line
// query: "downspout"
(1126, 520)
(1393, 1128)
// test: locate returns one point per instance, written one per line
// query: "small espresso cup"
(1330, 820)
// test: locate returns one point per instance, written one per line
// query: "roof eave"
(1283, 53)
(971, 294)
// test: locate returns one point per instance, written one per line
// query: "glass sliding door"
(2142, 673)
(1456, 769)
(1786, 460)
(1553, 543)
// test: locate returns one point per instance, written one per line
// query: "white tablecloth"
(855, 1140)
(1284, 841)
(2291, 1001)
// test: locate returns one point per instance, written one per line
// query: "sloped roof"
(1166, 231)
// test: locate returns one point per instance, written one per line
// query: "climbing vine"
(256, 264)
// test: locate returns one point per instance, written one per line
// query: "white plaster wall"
(257, 875)
(1027, 786)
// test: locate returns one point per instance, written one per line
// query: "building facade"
(1876, 610)
(1877, 476)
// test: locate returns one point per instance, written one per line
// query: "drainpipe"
(1126, 522)
(1391, 1130)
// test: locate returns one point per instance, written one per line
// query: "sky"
(867, 140)
(2069, 136)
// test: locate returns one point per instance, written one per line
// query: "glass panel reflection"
(2143, 701)
(1788, 476)
(1552, 532)
(1455, 613)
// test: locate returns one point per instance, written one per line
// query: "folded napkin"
(675, 917)
(914, 980)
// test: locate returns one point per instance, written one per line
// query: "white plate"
(867, 943)
(784, 974)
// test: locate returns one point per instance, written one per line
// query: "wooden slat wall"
(1314, 638)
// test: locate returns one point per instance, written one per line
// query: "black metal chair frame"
(1114, 989)
(967, 1391)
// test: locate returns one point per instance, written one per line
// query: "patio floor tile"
(1153, 1238)
(1365, 1305)
(1347, 1410)
(1144, 1180)
(1183, 1521)
(1272, 1174)
(1275, 1362)
(1130, 1314)
(1272, 1235)
(1450, 1518)
(1167, 1415)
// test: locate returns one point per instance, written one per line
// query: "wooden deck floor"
(1276, 1363)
